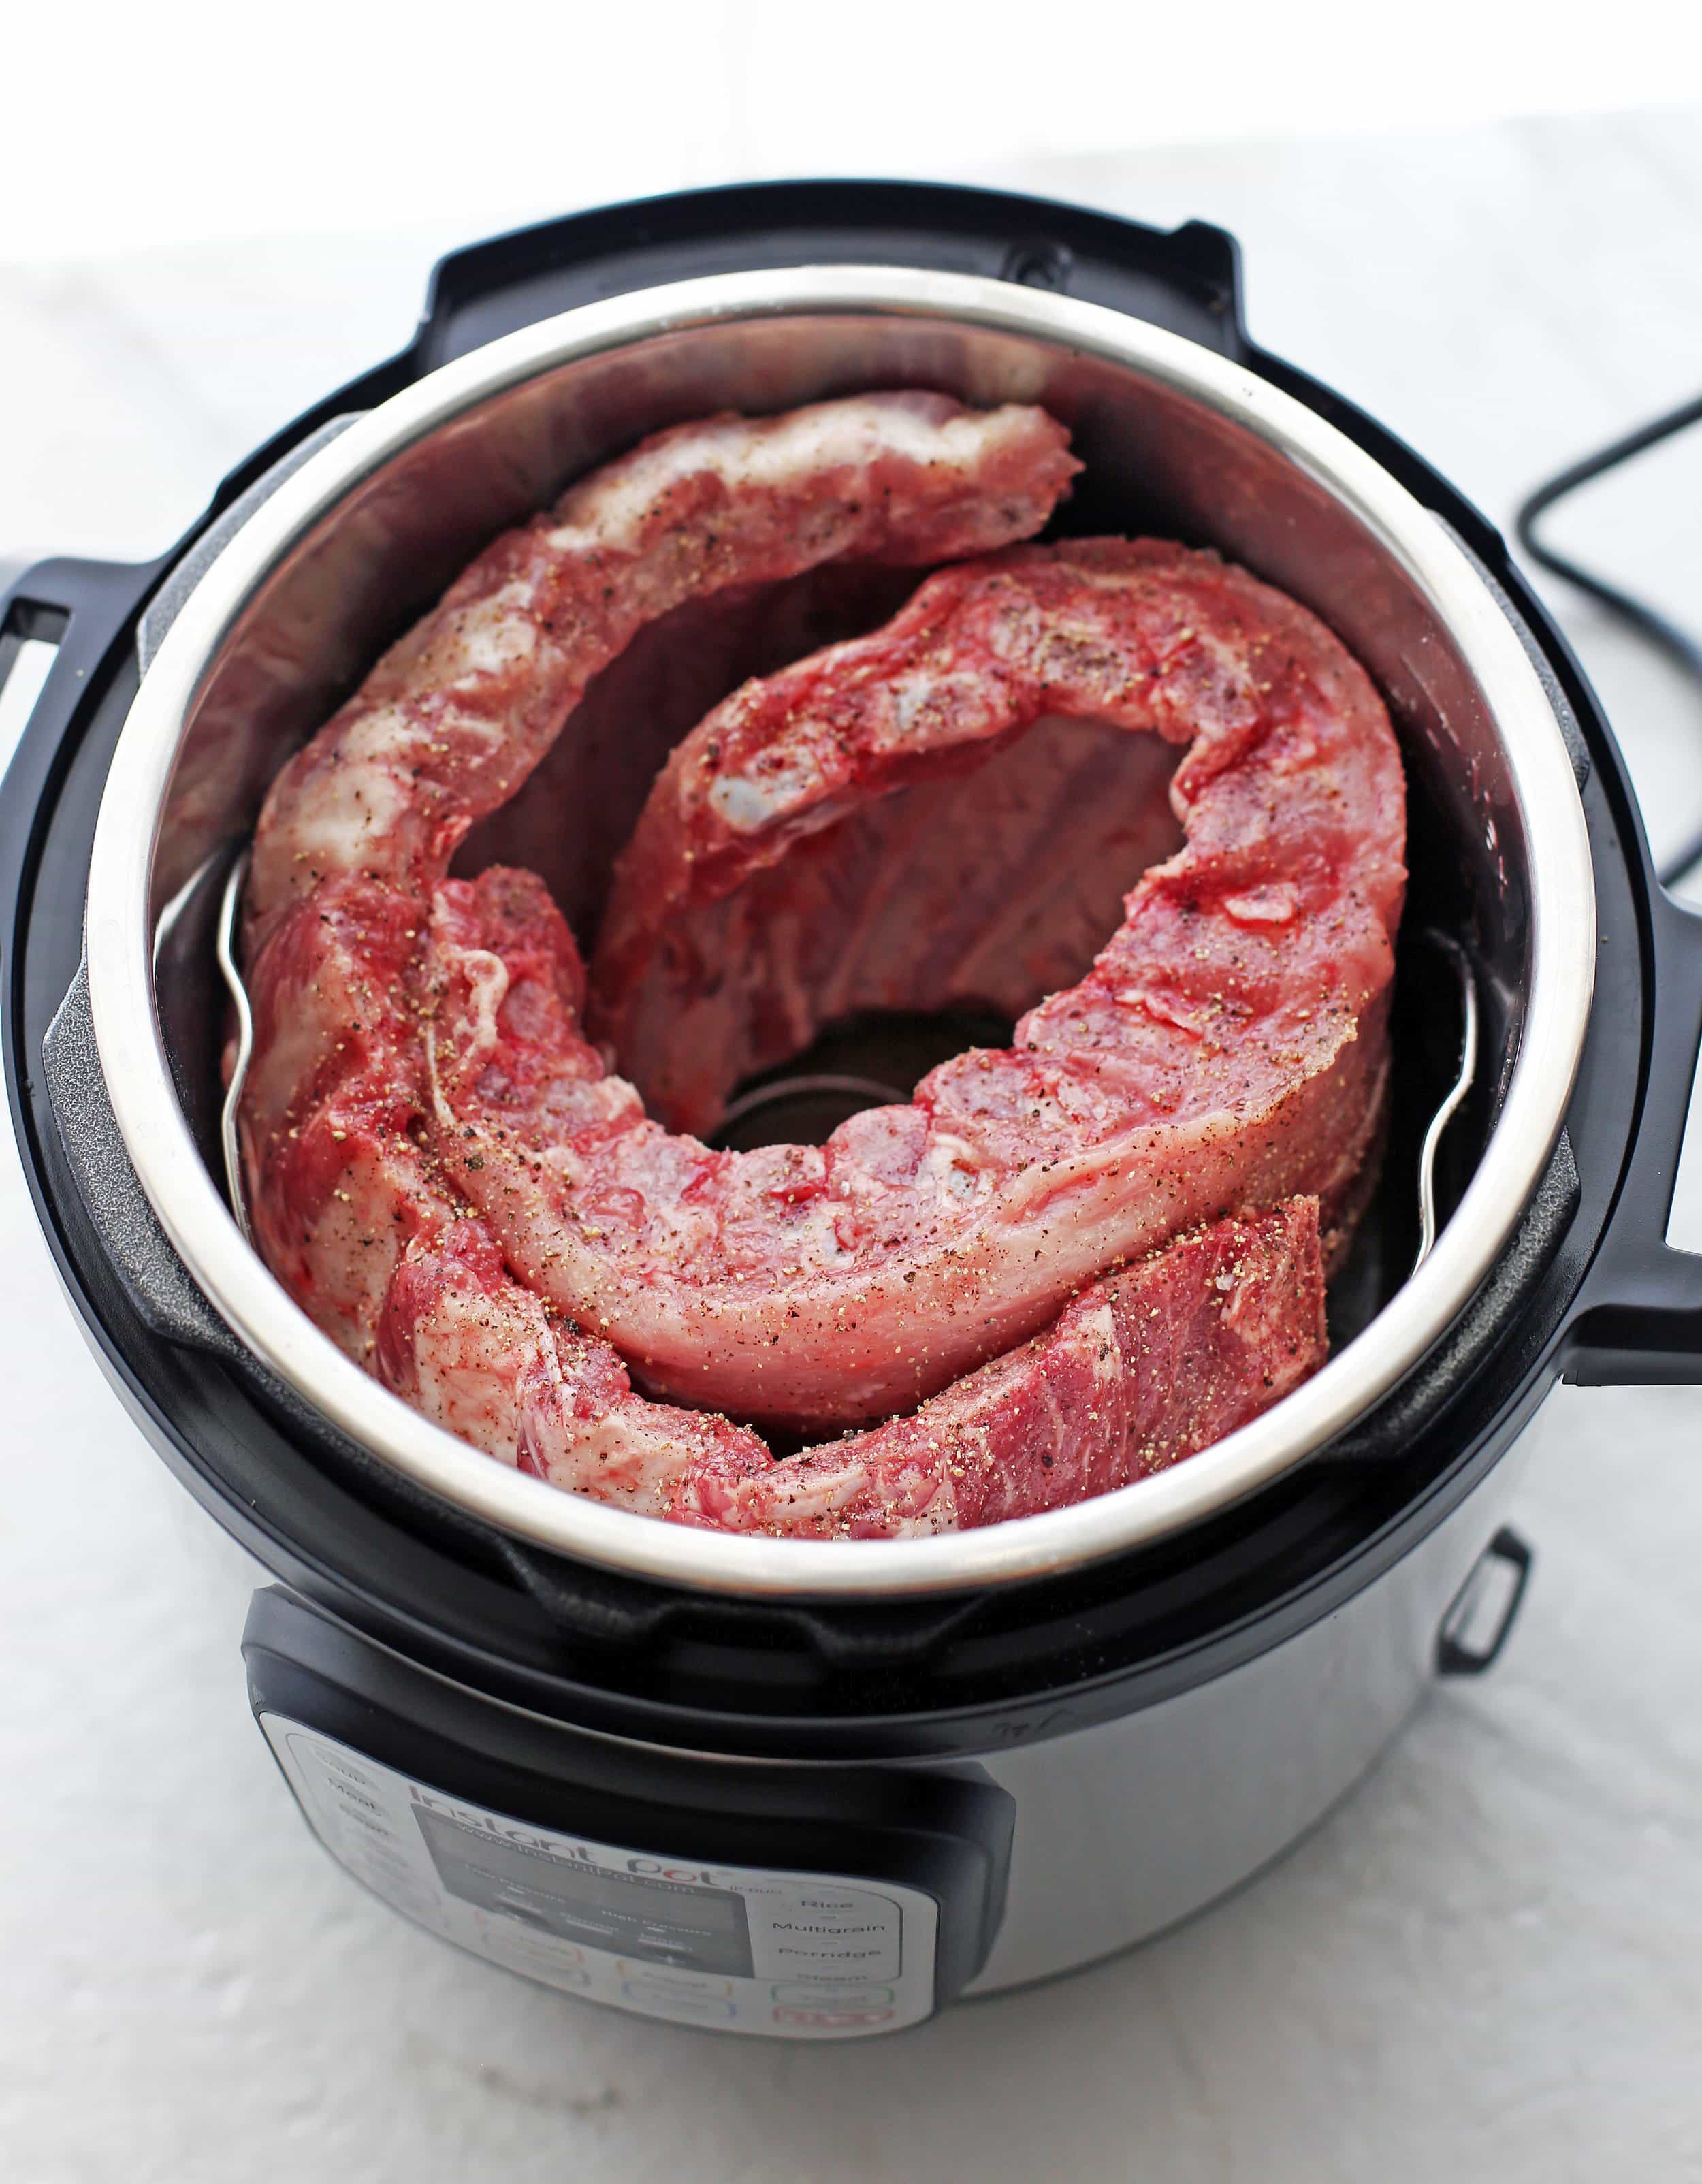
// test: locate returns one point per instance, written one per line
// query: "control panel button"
(674, 1981)
(657, 2000)
(826, 1933)
(834, 2020)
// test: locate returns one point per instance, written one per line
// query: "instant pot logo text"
(563, 1848)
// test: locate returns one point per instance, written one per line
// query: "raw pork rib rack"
(1063, 1264)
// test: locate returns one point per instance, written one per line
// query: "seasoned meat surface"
(445, 1172)
(455, 715)
(1144, 1369)
(1227, 1047)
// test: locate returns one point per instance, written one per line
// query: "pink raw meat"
(426, 1120)
(1145, 1367)
(458, 712)
(1228, 1047)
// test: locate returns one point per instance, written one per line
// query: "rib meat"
(977, 894)
(445, 1173)
(1143, 1369)
(456, 714)
(360, 828)
(1228, 1046)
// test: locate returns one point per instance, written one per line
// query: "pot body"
(837, 1907)
(1125, 1828)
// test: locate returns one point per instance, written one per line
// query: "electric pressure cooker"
(780, 1787)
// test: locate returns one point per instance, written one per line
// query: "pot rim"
(200, 1225)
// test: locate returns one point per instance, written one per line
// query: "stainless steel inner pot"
(1176, 440)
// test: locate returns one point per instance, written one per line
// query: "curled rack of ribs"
(480, 1165)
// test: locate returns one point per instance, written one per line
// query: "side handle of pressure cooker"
(155, 1280)
(158, 1284)
(1640, 1311)
(78, 608)
(81, 609)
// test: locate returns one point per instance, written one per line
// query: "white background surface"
(1486, 1964)
(192, 118)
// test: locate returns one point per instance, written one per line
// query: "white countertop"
(1487, 1964)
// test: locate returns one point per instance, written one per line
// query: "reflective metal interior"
(1176, 441)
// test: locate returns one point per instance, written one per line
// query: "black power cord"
(1685, 651)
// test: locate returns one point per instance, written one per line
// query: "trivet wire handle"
(230, 908)
(1451, 1106)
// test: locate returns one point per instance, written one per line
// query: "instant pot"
(780, 1787)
